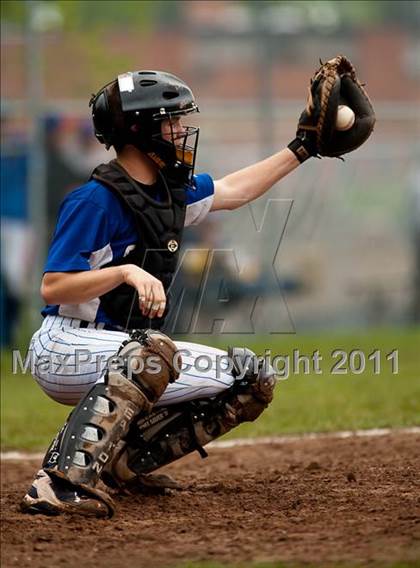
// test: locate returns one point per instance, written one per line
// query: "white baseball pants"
(68, 360)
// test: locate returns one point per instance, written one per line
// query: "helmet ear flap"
(102, 118)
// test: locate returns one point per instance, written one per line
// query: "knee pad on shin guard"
(256, 380)
(103, 417)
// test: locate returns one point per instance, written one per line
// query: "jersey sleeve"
(81, 239)
(199, 199)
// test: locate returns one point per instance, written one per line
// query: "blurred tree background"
(84, 15)
(349, 254)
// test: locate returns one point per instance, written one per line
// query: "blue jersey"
(95, 228)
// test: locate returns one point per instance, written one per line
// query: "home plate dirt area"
(320, 501)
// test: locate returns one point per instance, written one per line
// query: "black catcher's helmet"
(129, 110)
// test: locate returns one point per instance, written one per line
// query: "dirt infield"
(322, 501)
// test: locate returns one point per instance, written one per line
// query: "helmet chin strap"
(157, 160)
(171, 167)
(148, 139)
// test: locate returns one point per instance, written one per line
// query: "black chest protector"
(159, 225)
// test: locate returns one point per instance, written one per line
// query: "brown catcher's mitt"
(334, 83)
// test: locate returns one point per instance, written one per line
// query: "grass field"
(303, 402)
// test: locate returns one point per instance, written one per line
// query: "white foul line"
(276, 440)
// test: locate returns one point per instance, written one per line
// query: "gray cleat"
(48, 496)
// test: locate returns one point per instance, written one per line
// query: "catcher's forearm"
(243, 186)
(79, 287)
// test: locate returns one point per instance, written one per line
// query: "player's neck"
(139, 166)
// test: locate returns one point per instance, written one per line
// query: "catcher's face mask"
(176, 145)
(169, 144)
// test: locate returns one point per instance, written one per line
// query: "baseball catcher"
(106, 287)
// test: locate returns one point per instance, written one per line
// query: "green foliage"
(86, 15)
(13, 11)
(303, 402)
(85, 28)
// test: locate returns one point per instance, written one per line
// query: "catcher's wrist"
(299, 149)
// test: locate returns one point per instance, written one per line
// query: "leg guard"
(100, 420)
(174, 431)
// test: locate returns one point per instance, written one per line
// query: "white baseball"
(345, 118)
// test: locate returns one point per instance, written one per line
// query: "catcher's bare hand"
(152, 297)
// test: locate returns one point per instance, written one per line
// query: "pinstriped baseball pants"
(69, 360)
